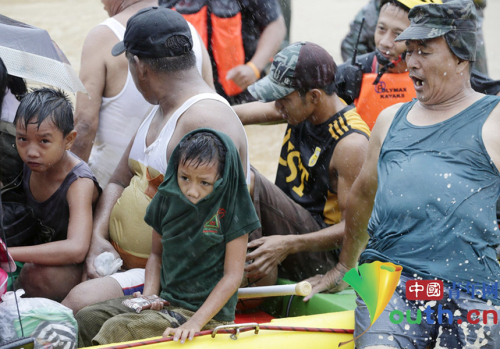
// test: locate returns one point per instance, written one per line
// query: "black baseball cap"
(148, 31)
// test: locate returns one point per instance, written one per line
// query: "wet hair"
(44, 103)
(202, 148)
(169, 64)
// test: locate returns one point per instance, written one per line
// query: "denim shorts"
(425, 335)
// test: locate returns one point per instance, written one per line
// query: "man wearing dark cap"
(158, 45)
(371, 11)
(430, 183)
(323, 149)
(385, 79)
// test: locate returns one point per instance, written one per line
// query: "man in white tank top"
(163, 69)
(109, 119)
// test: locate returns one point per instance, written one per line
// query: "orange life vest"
(391, 89)
(226, 42)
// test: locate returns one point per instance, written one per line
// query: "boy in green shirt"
(201, 217)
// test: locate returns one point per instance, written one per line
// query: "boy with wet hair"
(61, 190)
(201, 149)
(201, 218)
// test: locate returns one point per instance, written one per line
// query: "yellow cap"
(412, 3)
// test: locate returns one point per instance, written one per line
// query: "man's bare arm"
(269, 43)
(206, 66)
(258, 113)
(93, 76)
(100, 233)
(358, 210)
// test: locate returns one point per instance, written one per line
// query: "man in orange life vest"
(241, 36)
(385, 79)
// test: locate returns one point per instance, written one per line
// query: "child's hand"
(187, 330)
(156, 305)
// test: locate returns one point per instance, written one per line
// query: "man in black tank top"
(323, 149)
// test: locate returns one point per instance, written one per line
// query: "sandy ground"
(324, 22)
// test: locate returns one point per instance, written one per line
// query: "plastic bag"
(106, 264)
(51, 324)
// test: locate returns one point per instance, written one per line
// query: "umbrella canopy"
(30, 53)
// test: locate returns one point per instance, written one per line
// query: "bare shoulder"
(383, 123)
(352, 145)
(215, 115)
(82, 191)
(212, 114)
(99, 36)
(349, 155)
(491, 130)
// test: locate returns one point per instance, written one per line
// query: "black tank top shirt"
(303, 171)
(53, 213)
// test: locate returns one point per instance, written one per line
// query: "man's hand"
(331, 281)
(98, 246)
(242, 75)
(269, 252)
(187, 330)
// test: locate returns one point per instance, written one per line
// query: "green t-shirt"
(194, 237)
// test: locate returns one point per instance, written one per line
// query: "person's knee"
(75, 298)
(53, 282)
(32, 279)
(91, 292)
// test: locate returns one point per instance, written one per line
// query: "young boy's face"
(42, 147)
(197, 182)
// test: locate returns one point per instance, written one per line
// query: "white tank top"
(121, 115)
(155, 155)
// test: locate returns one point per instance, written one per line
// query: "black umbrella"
(30, 53)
